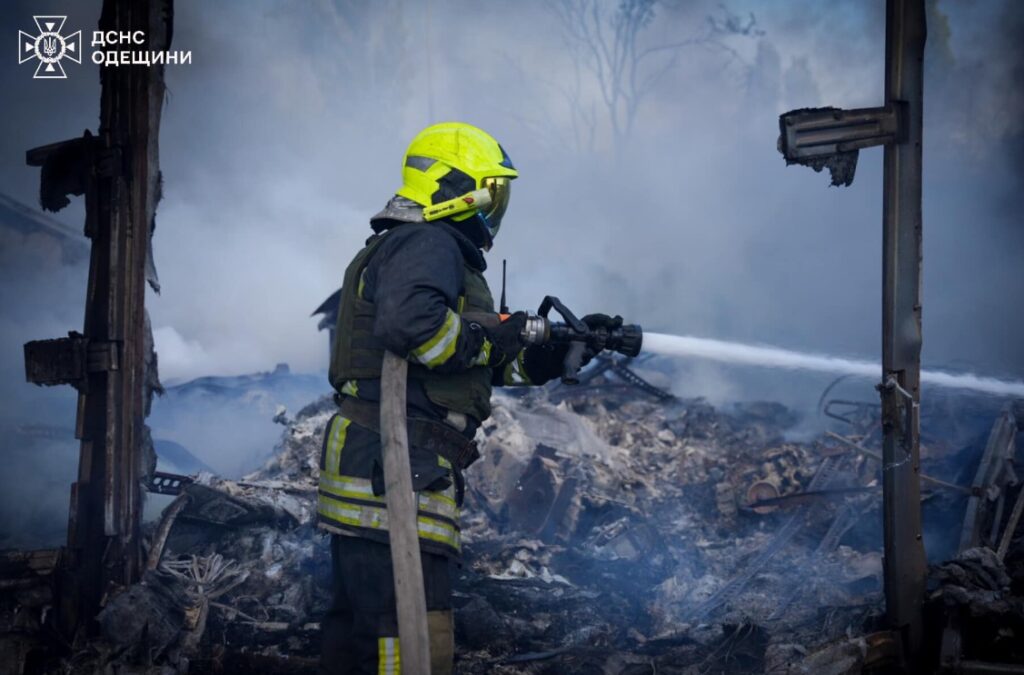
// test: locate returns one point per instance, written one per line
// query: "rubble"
(26, 602)
(591, 552)
(603, 532)
(984, 618)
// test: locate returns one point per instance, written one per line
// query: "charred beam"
(117, 171)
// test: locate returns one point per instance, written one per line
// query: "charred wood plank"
(118, 172)
(410, 596)
(989, 480)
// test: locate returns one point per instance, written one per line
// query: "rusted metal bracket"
(809, 133)
(900, 413)
(832, 138)
(69, 360)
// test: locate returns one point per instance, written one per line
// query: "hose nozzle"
(627, 340)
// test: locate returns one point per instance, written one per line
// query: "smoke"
(286, 133)
(280, 139)
(227, 423)
(41, 298)
(693, 224)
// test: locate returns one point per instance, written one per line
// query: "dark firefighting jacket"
(405, 292)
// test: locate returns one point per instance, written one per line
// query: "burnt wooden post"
(110, 362)
(828, 137)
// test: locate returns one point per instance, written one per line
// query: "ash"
(605, 531)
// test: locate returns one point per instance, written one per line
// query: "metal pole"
(905, 564)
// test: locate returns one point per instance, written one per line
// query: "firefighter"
(406, 292)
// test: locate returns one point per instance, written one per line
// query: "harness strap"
(436, 437)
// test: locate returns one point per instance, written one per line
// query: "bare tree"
(612, 43)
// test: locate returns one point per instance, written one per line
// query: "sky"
(287, 131)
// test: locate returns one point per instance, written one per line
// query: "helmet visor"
(499, 187)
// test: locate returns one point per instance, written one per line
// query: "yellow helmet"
(448, 161)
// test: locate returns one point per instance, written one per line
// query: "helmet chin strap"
(486, 231)
(474, 229)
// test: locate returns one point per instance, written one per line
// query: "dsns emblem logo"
(49, 47)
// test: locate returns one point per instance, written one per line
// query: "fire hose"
(410, 596)
(413, 633)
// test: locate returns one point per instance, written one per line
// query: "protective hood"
(398, 210)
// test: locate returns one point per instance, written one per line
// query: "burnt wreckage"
(609, 527)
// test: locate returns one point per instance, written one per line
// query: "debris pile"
(601, 532)
(604, 531)
(983, 616)
(607, 531)
(239, 574)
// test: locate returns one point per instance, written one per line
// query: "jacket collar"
(400, 210)
(470, 253)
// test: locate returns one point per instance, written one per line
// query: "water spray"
(774, 357)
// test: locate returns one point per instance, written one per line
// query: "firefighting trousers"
(360, 630)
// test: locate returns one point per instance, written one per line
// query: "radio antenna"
(504, 267)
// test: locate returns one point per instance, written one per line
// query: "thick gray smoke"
(287, 131)
(285, 138)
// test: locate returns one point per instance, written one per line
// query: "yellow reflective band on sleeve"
(389, 661)
(362, 284)
(485, 354)
(350, 388)
(441, 346)
(335, 442)
(462, 304)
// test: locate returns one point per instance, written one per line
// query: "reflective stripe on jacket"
(351, 498)
(405, 292)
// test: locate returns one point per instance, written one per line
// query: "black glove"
(543, 363)
(506, 339)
